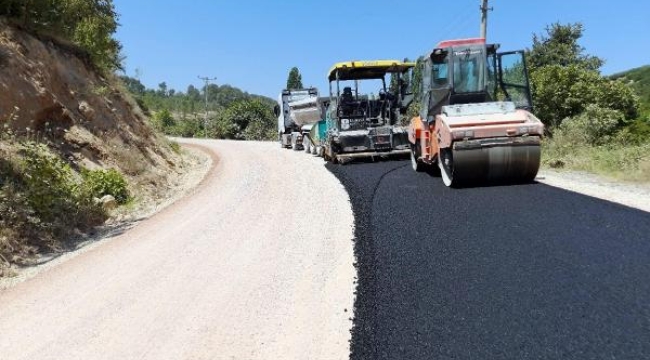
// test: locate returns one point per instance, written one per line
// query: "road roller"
(475, 123)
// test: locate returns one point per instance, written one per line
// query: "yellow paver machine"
(360, 122)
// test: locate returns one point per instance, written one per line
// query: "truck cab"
(296, 110)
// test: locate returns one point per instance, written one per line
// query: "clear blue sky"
(252, 44)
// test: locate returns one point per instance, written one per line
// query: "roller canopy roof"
(370, 69)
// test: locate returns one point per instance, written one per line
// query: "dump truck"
(296, 111)
(475, 121)
(365, 125)
(318, 131)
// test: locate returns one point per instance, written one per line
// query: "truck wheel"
(307, 144)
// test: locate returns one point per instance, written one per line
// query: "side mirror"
(276, 110)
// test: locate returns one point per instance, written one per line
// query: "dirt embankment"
(49, 94)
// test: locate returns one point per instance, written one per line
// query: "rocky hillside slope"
(51, 94)
(48, 93)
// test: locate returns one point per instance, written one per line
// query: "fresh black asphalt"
(501, 272)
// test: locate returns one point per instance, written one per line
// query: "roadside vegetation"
(232, 113)
(43, 201)
(84, 26)
(639, 80)
(595, 123)
(48, 200)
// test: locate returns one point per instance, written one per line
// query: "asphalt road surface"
(256, 264)
(501, 272)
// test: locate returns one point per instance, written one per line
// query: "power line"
(205, 121)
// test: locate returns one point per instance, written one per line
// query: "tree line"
(89, 24)
(231, 112)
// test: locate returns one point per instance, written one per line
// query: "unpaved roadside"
(256, 264)
(629, 194)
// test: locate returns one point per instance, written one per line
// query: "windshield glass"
(469, 69)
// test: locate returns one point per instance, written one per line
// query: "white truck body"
(296, 111)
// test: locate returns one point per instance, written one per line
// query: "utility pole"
(484, 16)
(205, 121)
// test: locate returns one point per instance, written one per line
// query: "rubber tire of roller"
(416, 165)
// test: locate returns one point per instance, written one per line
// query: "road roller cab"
(475, 122)
(363, 117)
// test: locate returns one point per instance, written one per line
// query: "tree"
(559, 46)
(193, 93)
(416, 87)
(562, 92)
(294, 81)
(566, 81)
(394, 84)
(162, 89)
(90, 24)
(165, 120)
(133, 85)
(247, 119)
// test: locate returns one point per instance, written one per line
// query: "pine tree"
(294, 81)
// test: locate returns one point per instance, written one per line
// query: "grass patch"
(622, 162)
(601, 141)
(176, 147)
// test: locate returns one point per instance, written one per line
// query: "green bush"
(595, 126)
(43, 202)
(49, 184)
(246, 120)
(89, 24)
(164, 119)
(106, 182)
(639, 130)
(561, 92)
(48, 199)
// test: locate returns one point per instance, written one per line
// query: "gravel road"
(501, 272)
(256, 264)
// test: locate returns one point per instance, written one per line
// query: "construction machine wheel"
(498, 164)
(417, 165)
(306, 144)
(326, 155)
(445, 162)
